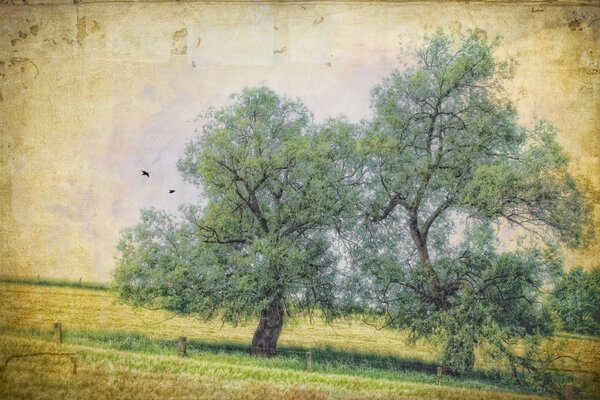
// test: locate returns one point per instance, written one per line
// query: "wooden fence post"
(57, 333)
(440, 372)
(309, 361)
(182, 346)
(569, 392)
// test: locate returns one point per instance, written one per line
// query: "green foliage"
(445, 158)
(276, 191)
(576, 301)
(444, 138)
(493, 301)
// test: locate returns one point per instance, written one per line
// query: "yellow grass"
(107, 373)
(26, 306)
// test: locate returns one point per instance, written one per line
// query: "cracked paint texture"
(90, 94)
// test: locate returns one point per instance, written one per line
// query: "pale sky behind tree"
(92, 94)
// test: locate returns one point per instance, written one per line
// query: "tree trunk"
(420, 241)
(264, 342)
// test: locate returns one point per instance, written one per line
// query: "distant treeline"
(54, 282)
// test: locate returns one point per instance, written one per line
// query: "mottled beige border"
(92, 92)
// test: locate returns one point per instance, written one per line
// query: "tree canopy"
(446, 158)
(277, 190)
(416, 195)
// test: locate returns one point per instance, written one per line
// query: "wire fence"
(567, 383)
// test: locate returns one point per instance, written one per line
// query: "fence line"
(316, 356)
(70, 356)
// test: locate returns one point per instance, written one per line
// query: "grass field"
(123, 352)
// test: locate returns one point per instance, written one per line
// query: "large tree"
(446, 158)
(277, 189)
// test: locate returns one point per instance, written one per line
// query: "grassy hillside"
(54, 282)
(98, 373)
(127, 352)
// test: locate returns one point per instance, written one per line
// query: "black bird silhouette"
(145, 173)
(171, 191)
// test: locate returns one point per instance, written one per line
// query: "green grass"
(54, 282)
(96, 372)
(351, 359)
(326, 360)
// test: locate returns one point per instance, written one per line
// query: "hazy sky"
(91, 94)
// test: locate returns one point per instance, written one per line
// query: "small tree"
(276, 190)
(576, 301)
(444, 150)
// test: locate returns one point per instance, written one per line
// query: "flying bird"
(171, 191)
(145, 173)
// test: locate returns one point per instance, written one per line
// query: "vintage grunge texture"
(92, 92)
